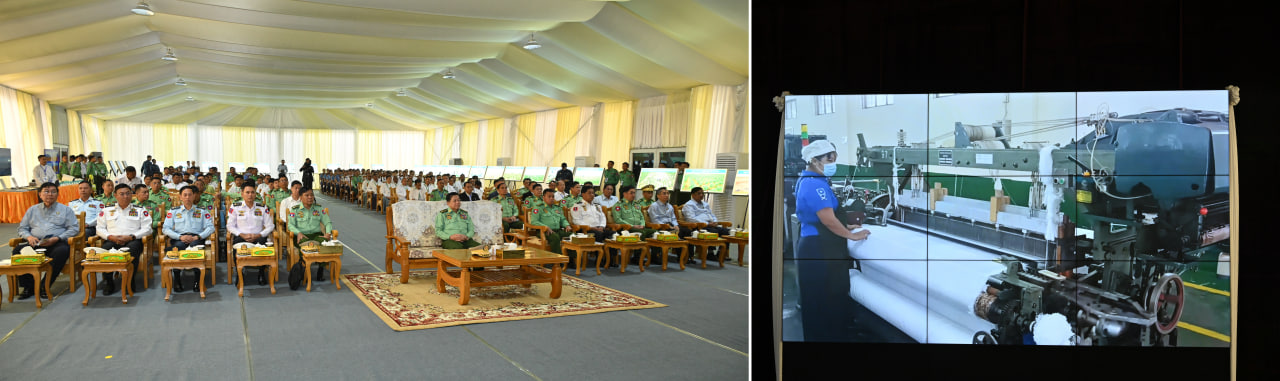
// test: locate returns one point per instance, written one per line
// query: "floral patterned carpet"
(417, 304)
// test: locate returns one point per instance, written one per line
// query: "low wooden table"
(90, 269)
(742, 246)
(582, 251)
(665, 246)
(335, 266)
(168, 264)
(624, 251)
(13, 271)
(242, 261)
(530, 271)
(705, 246)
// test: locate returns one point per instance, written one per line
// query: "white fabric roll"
(912, 319)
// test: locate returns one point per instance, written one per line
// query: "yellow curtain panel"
(319, 145)
(369, 148)
(525, 127)
(75, 134)
(616, 123)
(470, 144)
(496, 141)
(567, 122)
(171, 143)
(238, 144)
(700, 111)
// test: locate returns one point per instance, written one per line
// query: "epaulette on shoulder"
(239, 203)
(298, 207)
(445, 210)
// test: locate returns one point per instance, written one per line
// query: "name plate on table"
(582, 240)
(627, 239)
(742, 235)
(325, 249)
(113, 258)
(191, 254)
(708, 236)
(512, 254)
(256, 251)
(666, 237)
(26, 259)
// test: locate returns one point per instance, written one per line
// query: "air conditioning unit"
(455, 161)
(725, 205)
(504, 161)
(584, 161)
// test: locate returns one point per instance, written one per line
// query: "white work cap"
(817, 148)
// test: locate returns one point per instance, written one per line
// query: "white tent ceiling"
(318, 63)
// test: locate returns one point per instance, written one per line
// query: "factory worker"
(823, 257)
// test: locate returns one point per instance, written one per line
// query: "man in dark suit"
(564, 173)
(469, 192)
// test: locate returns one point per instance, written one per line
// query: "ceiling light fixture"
(169, 56)
(532, 44)
(190, 99)
(369, 105)
(401, 93)
(448, 74)
(143, 9)
(180, 82)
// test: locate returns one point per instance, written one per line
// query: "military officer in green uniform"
(142, 198)
(98, 170)
(279, 194)
(108, 198)
(158, 195)
(232, 175)
(627, 213)
(510, 212)
(440, 193)
(535, 197)
(611, 175)
(626, 177)
(648, 196)
(575, 195)
(551, 215)
(454, 226)
(523, 190)
(310, 222)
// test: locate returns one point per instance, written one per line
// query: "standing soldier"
(626, 177)
(552, 217)
(248, 221)
(309, 221)
(123, 225)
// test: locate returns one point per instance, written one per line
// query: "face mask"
(829, 170)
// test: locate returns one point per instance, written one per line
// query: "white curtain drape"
(127, 141)
(209, 146)
(344, 149)
(589, 136)
(267, 147)
(544, 139)
(482, 152)
(509, 139)
(293, 148)
(400, 149)
(649, 126)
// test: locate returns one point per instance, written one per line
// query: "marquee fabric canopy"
(343, 64)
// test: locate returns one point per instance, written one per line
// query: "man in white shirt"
(130, 178)
(89, 206)
(586, 213)
(264, 188)
(559, 187)
(418, 193)
(44, 173)
(699, 212)
(608, 199)
(247, 221)
(123, 225)
(295, 198)
(179, 181)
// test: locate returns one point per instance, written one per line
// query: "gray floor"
(329, 334)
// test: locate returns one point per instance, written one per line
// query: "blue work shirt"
(812, 195)
(181, 221)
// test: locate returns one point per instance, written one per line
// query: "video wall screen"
(593, 174)
(513, 174)
(493, 173)
(658, 177)
(1070, 219)
(742, 183)
(536, 174)
(710, 180)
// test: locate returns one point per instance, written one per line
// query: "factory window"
(869, 101)
(826, 104)
(791, 109)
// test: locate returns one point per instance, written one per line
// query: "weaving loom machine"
(1151, 190)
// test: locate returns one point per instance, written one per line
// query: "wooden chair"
(398, 251)
(211, 243)
(295, 254)
(231, 252)
(76, 247)
(695, 225)
(534, 236)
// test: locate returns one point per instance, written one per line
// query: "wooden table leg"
(665, 251)
(336, 269)
(167, 280)
(464, 288)
(702, 254)
(599, 257)
(202, 284)
(88, 288)
(724, 252)
(741, 248)
(126, 286)
(40, 304)
(555, 282)
(306, 272)
(272, 277)
(579, 263)
(440, 273)
(623, 255)
(240, 276)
